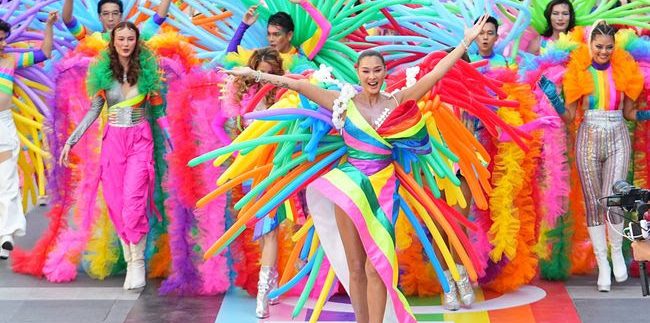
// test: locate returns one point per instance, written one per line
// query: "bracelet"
(464, 43)
(258, 76)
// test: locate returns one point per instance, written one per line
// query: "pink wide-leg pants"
(127, 176)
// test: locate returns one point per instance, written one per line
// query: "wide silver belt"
(127, 116)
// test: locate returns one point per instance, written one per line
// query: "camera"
(629, 198)
(633, 199)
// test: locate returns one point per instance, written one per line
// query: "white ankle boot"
(599, 243)
(126, 251)
(138, 277)
(616, 244)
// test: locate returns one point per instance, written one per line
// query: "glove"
(550, 91)
(643, 115)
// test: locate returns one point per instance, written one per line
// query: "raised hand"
(550, 91)
(472, 33)
(52, 18)
(250, 17)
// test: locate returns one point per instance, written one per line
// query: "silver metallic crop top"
(118, 116)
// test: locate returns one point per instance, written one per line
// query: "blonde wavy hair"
(268, 55)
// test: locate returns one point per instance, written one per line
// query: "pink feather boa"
(192, 108)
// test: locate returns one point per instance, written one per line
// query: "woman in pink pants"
(126, 80)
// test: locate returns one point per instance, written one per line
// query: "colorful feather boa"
(521, 269)
(191, 97)
(507, 180)
(50, 253)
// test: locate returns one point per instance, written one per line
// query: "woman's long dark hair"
(134, 59)
(547, 14)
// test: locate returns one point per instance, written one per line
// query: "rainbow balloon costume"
(382, 177)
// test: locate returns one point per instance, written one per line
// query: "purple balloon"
(10, 10)
(35, 98)
(30, 12)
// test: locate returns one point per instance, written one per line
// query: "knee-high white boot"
(599, 243)
(126, 251)
(138, 273)
(616, 244)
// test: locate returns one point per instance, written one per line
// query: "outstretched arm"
(322, 97)
(423, 85)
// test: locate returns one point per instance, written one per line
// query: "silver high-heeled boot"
(273, 285)
(450, 300)
(465, 288)
(263, 289)
(126, 251)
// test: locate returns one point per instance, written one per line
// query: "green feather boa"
(100, 76)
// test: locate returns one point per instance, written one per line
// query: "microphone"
(621, 187)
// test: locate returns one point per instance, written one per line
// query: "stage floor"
(28, 299)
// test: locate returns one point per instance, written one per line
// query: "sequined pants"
(602, 155)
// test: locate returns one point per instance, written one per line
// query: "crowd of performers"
(380, 148)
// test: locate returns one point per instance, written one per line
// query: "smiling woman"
(362, 192)
(604, 82)
(560, 18)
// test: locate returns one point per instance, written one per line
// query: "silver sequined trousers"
(602, 154)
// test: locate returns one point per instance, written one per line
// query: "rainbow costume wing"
(292, 146)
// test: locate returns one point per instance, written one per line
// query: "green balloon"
(310, 283)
